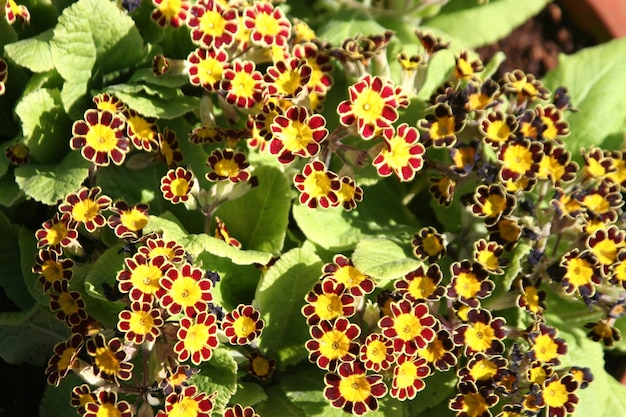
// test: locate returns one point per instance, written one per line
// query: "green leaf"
(10, 193)
(93, 37)
(29, 336)
(159, 107)
(147, 75)
(32, 53)
(218, 374)
(28, 251)
(481, 24)
(48, 183)
(56, 400)
(248, 394)
(196, 244)
(278, 404)
(11, 279)
(347, 23)
(104, 271)
(280, 297)
(45, 125)
(439, 389)
(370, 219)
(133, 185)
(383, 259)
(594, 80)
(259, 219)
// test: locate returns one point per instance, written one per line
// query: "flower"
(186, 290)
(352, 390)
(520, 158)
(603, 330)
(189, 402)
(428, 244)
(297, 133)
(482, 333)
(63, 359)
(177, 184)
(605, 244)
(50, 268)
(439, 353)
(238, 410)
(110, 102)
(287, 78)
(482, 95)
(556, 164)
(343, 271)
(4, 72)
(169, 148)
(333, 342)
(80, 396)
(141, 130)
(227, 164)
(213, 24)
(154, 247)
(101, 137)
(177, 378)
(170, 12)
(531, 298)
(141, 323)
(473, 401)
(402, 155)
(376, 353)
(559, 395)
(242, 84)
(197, 337)
(85, 207)
(59, 232)
(128, 221)
(207, 66)
(505, 232)
(469, 283)
(371, 106)
(268, 25)
(525, 86)
(483, 369)
(349, 193)
(489, 256)
(441, 126)
(141, 277)
(13, 12)
(554, 127)
(67, 306)
(421, 284)
(408, 377)
(545, 346)
(321, 66)
(497, 128)
(410, 326)
(464, 157)
(260, 366)
(107, 404)
(242, 325)
(317, 186)
(464, 69)
(18, 153)
(580, 272)
(491, 202)
(328, 300)
(109, 359)
(442, 189)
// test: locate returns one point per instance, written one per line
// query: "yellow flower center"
(355, 388)
(288, 82)
(179, 187)
(433, 352)
(186, 292)
(518, 159)
(226, 168)
(432, 245)
(106, 361)
(550, 167)
(579, 272)
(186, 407)
(141, 322)
(421, 287)
(479, 336)
(349, 276)
(474, 405)
(399, 153)
(328, 306)
(212, 23)
(267, 25)
(66, 358)
(444, 126)
(605, 251)
(545, 348)
(108, 410)
(368, 106)
(261, 366)
(467, 285)
(170, 8)
(498, 131)
(102, 138)
(85, 211)
(196, 338)
(161, 250)
(483, 370)
(142, 128)
(146, 278)
(531, 296)
(210, 71)
(52, 271)
(244, 326)
(243, 85)
(67, 303)
(334, 344)
(494, 205)
(555, 394)
(407, 326)
(406, 375)
(133, 219)
(297, 136)
(317, 184)
(376, 351)
(488, 259)
(56, 234)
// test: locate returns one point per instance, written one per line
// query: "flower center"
(85, 211)
(101, 138)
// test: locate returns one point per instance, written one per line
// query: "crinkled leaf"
(348, 23)
(248, 394)
(48, 183)
(479, 24)
(259, 218)
(45, 125)
(162, 108)
(11, 279)
(133, 185)
(595, 81)
(280, 297)
(369, 219)
(218, 374)
(101, 272)
(32, 53)
(278, 404)
(29, 336)
(383, 259)
(147, 75)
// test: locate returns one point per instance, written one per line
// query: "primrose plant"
(245, 210)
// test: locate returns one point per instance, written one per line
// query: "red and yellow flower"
(441, 126)
(213, 24)
(101, 137)
(267, 24)
(481, 333)
(68, 306)
(63, 359)
(189, 402)
(580, 272)
(408, 377)
(206, 67)
(141, 277)
(546, 347)
(238, 410)
(128, 221)
(410, 326)
(197, 338)
(243, 325)
(352, 390)
(421, 284)
(227, 164)
(333, 342)
(172, 251)
(107, 403)
(170, 12)
(14, 12)
(141, 323)
(428, 244)
(260, 367)
(186, 290)
(403, 154)
(177, 184)
(520, 158)
(470, 281)
(297, 133)
(141, 130)
(50, 268)
(343, 271)
(110, 361)
(328, 300)
(559, 395)
(473, 401)
(377, 353)
(85, 207)
(317, 185)
(242, 84)
(18, 153)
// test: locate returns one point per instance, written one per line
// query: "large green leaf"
(595, 81)
(383, 259)
(11, 279)
(28, 251)
(29, 336)
(259, 218)
(32, 53)
(479, 24)
(218, 374)
(45, 125)
(348, 23)
(48, 183)
(160, 107)
(55, 401)
(280, 297)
